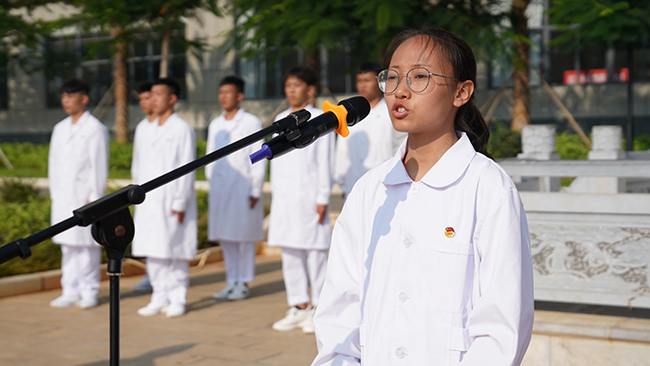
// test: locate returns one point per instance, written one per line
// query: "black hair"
(74, 86)
(172, 85)
(233, 80)
(372, 67)
(303, 73)
(463, 64)
(145, 87)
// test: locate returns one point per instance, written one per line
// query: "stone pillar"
(606, 145)
(538, 143)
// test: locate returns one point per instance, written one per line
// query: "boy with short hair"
(77, 173)
(166, 228)
(301, 184)
(234, 208)
(143, 131)
(370, 142)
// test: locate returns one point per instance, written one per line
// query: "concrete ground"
(212, 332)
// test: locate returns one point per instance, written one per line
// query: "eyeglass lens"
(417, 80)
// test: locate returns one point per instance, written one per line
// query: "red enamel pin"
(449, 232)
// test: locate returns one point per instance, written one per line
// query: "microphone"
(336, 118)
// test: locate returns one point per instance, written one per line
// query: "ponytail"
(470, 120)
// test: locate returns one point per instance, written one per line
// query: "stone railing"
(590, 241)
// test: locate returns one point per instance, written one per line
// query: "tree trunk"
(121, 89)
(521, 55)
(313, 63)
(164, 52)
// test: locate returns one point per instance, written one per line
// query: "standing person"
(165, 223)
(77, 173)
(143, 131)
(301, 184)
(235, 210)
(370, 143)
(430, 260)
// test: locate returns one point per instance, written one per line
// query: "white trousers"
(239, 258)
(169, 279)
(80, 270)
(300, 268)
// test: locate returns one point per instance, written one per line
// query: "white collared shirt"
(434, 272)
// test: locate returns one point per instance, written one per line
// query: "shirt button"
(400, 352)
(407, 242)
(402, 297)
(415, 188)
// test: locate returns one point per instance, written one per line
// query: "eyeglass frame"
(399, 80)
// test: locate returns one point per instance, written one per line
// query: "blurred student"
(235, 211)
(143, 131)
(369, 143)
(301, 184)
(77, 172)
(166, 227)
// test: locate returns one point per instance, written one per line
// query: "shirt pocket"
(450, 269)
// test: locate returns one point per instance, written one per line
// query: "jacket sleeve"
(258, 170)
(186, 146)
(98, 156)
(501, 320)
(208, 149)
(52, 160)
(325, 166)
(135, 159)
(342, 164)
(338, 315)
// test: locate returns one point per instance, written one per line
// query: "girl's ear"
(464, 92)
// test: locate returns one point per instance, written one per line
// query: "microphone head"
(358, 108)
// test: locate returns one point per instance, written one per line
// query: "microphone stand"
(112, 224)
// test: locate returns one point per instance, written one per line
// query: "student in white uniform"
(235, 210)
(165, 223)
(77, 172)
(430, 259)
(143, 130)
(370, 142)
(301, 184)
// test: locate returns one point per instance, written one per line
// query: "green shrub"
(19, 219)
(120, 155)
(570, 146)
(14, 190)
(503, 143)
(641, 143)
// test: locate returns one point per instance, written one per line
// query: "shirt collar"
(446, 171)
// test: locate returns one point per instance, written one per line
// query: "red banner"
(595, 76)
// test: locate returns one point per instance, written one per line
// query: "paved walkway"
(213, 332)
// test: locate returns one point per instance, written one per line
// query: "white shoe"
(87, 302)
(308, 324)
(175, 310)
(292, 320)
(64, 301)
(143, 286)
(152, 309)
(223, 294)
(241, 291)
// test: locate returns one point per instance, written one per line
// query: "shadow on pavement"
(148, 358)
(256, 291)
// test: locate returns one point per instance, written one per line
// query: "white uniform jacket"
(144, 132)
(157, 231)
(368, 145)
(77, 172)
(233, 179)
(436, 272)
(301, 179)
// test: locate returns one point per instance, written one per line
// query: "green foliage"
(23, 213)
(26, 155)
(570, 146)
(366, 26)
(600, 21)
(504, 142)
(202, 206)
(14, 190)
(120, 155)
(641, 143)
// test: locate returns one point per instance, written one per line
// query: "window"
(85, 57)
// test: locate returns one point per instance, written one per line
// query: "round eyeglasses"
(417, 79)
